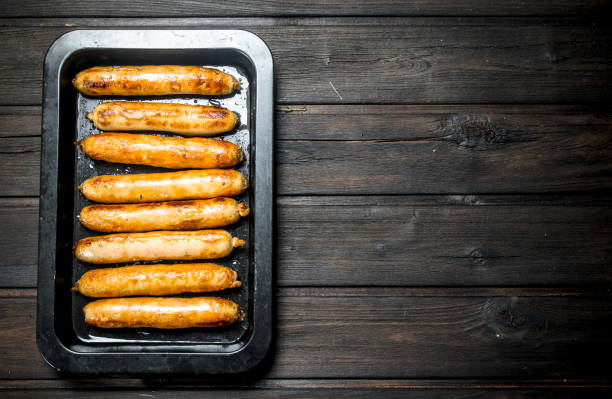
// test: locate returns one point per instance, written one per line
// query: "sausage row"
(145, 228)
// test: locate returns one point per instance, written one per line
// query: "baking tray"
(64, 339)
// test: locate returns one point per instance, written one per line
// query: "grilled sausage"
(163, 152)
(156, 280)
(170, 186)
(184, 119)
(154, 80)
(161, 312)
(156, 245)
(174, 215)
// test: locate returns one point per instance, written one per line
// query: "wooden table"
(443, 212)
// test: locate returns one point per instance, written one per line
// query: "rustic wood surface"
(444, 224)
(207, 8)
(468, 240)
(375, 60)
(397, 333)
(390, 149)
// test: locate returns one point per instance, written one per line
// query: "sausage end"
(235, 119)
(243, 209)
(237, 242)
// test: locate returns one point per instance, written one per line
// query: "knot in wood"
(512, 316)
(478, 257)
(475, 132)
(471, 200)
(381, 247)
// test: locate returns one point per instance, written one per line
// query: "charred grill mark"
(96, 208)
(216, 114)
(189, 224)
(95, 84)
(205, 82)
(130, 85)
(217, 124)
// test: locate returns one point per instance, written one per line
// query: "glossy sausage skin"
(163, 152)
(161, 312)
(156, 245)
(170, 186)
(173, 215)
(154, 80)
(156, 280)
(184, 119)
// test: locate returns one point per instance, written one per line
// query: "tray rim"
(256, 346)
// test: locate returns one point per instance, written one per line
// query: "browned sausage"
(184, 119)
(154, 80)
(161, 312)
(163, 152)
(174, 215)
(156, 280)
(170, 186)
(156, 245)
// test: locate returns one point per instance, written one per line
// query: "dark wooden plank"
(450, 241)
(442, 337)
(20, 158)
(403, 241)
(476, 160)
(207, 8)
(470, 291)
(19, 243)
(387, 384)
(19, 150)
(423, 122)
(442, 149)
(350, 149)
(368, 60)
(313, 392)
(18, 122)
(396, 337)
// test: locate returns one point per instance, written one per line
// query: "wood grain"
(193, 8)
(19, 242)
(322, 385)
(369, 60)
(421, 122)
(391, 149)
(396, 273)
(456, 240)
(345, 392)
(397, 337)
(442, 149)
(18, 122)
(402, 241)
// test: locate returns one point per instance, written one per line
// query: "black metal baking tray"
(65, 341)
